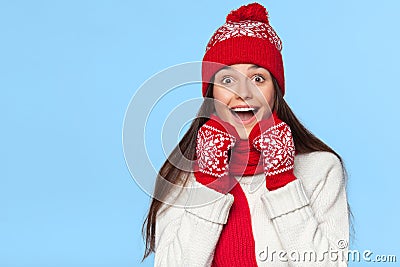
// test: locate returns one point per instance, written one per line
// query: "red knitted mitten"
(273, 138)
(214, 139)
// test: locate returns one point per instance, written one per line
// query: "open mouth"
(244, 114)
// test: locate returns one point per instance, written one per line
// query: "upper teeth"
(243, 109)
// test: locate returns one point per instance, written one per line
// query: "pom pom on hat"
(254, 11)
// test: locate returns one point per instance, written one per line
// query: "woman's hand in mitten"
(214, 140)
(273, 138)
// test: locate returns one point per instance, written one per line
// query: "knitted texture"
(273, 138)
(236, 246)
(246, 37)
(283, 219)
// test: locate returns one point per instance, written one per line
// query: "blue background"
(68, 70)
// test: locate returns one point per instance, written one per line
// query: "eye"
(258, 78)
(227, 80)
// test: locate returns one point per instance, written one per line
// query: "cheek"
(222, 96)
(268, 93)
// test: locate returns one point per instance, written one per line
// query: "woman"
(258, 188)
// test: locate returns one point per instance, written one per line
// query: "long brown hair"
(304, 142)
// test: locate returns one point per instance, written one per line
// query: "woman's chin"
(244, 130)
(243, 133)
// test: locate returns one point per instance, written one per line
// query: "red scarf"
(236, 245)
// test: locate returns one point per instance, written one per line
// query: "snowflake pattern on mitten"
(277, 148)
(212, 150)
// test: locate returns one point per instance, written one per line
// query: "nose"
(244, 89)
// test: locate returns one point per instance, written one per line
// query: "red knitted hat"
(246, 37)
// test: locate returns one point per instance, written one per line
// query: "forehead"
(244, 68)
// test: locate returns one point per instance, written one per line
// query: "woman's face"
(243, 95)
